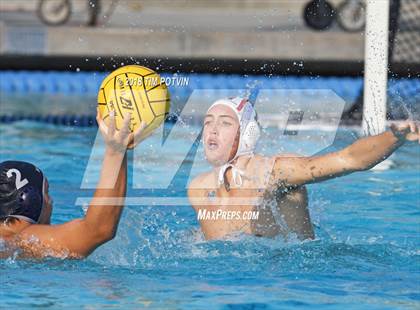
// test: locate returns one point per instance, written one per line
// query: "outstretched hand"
(122, 139)
(407, 130)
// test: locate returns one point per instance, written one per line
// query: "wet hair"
(21, 191)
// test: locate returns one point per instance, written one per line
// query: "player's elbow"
(95, 240)
(106, 233)
(109, 235)
(86, 237)
(100, 234)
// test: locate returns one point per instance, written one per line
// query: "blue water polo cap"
(21, 191)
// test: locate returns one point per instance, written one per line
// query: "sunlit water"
(366, 254)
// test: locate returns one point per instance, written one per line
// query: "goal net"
(403, 92)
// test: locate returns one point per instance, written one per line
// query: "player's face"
(220, 135)
(45, 217)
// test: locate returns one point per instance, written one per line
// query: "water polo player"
(26, 207)
(242, 182)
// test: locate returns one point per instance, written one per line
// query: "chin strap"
(237, 173)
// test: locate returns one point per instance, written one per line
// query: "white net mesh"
(407, 36)
(404, 64)
(404, 93)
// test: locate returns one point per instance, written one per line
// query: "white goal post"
(376, 66)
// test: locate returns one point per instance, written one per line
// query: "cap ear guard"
(250, 131)
(249, 137)
(252, 134)
(27, 198)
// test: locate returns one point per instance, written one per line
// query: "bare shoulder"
(261, 163)
(283, 161)
(198, 187)
(201, 181)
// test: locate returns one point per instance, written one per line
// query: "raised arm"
(361, 155)
(80, 237)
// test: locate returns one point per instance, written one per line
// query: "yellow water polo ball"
(137, 90)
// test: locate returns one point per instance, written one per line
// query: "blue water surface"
(366, 255)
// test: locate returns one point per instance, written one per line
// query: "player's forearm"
(367, 152)
(105, 209)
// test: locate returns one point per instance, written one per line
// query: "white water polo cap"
(249, 134)
(248, 125)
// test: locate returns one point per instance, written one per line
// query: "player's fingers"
(140, 130)
(130, 139)
(393, 126)
(126, 124)
(412, 126)
(101, 124)
(406, 127)
(103, 128)
(98, 116)
(111, 124)
(125, 127)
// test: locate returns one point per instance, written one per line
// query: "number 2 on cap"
(19, 183)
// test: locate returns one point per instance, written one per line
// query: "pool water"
(366, 255)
